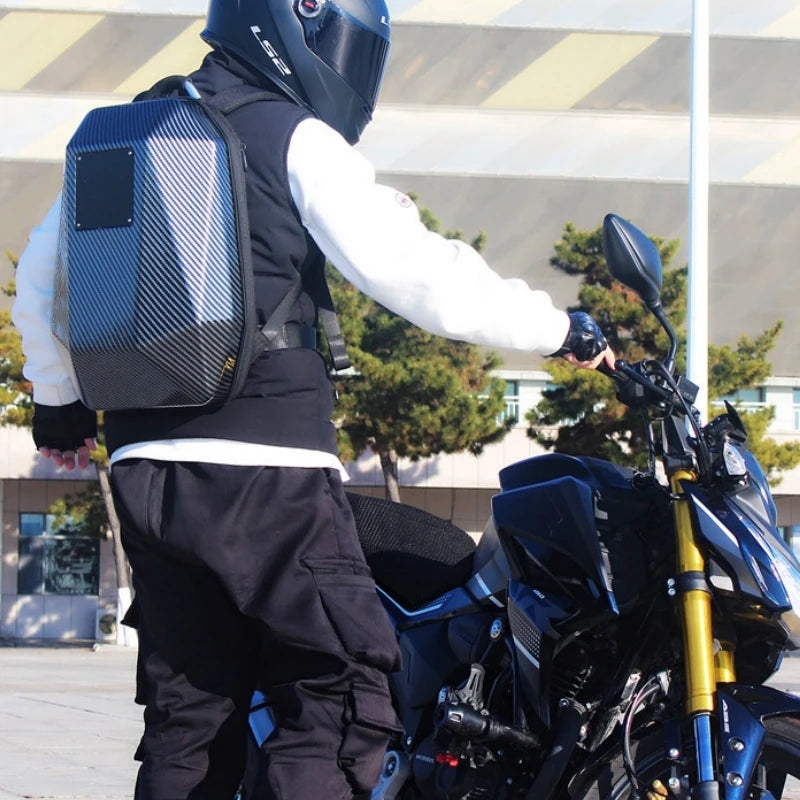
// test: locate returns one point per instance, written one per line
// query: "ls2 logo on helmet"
(279, 63)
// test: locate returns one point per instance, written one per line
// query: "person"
(245, 559)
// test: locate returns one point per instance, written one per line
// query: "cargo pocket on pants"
(351, 603)
(369, 722)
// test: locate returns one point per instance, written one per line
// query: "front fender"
(741, 711)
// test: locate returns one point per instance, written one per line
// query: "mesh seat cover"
(415, 556)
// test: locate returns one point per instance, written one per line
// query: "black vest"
(287, 397)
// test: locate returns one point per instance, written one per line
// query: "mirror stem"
(658, 311)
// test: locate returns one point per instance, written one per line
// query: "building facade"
(56, 582)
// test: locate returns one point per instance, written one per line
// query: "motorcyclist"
(245, 558)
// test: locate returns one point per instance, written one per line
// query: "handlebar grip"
(615, 376)
(605, 369)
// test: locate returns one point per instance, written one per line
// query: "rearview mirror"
(632, 259)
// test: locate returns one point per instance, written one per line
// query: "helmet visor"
(349, 48)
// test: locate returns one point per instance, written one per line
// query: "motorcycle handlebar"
(629, 378)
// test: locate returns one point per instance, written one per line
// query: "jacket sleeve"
(32, 312)
(373, 235)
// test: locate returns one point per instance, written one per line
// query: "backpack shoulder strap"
(171, 85)
(333, 332)
(271, 329)
(228, 100)
(225, 102)
(328, 319)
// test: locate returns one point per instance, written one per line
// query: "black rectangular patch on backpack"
(154, 301)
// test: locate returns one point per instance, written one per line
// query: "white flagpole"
(697, 330)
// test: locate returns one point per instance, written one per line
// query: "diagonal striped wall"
(487, 66)
(765, 18)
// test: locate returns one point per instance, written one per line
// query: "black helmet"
(328, 55)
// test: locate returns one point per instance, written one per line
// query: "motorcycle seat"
(414, 556)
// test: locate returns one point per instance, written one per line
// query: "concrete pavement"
(68, 724)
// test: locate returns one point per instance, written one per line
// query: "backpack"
(154, 297)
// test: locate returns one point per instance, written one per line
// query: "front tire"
(777, 771)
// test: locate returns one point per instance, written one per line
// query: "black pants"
(252, 577)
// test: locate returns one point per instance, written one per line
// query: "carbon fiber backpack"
(154, 300)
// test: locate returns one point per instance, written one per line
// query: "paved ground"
(68, 725)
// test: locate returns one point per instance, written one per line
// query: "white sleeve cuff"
(55, 395)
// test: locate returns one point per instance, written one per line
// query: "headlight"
(733, 459)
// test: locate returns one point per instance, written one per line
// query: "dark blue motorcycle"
(610, 635)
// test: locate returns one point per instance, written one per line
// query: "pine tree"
(582, 405)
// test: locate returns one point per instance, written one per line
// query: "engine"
(471, 753)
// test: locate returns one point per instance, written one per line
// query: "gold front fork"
(703, 668)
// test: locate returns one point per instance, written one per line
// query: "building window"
(511, 410)
(56, 559)
(791, 535)
(746, 399)
(796, 408)
(512, 401)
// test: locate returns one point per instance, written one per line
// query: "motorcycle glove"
(63, 428)
(585, 340)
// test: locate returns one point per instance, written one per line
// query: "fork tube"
(704, 754)
(698, 640)
(695, 606)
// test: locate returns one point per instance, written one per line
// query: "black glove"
(585, 340)
(63, 427)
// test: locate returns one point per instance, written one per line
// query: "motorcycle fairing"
(540, 469)
(756, 498)
(489, 581)
(531, 615)
(428, 661)
(741, 711)
(745, 551)
(552, 518)
(457, 601)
